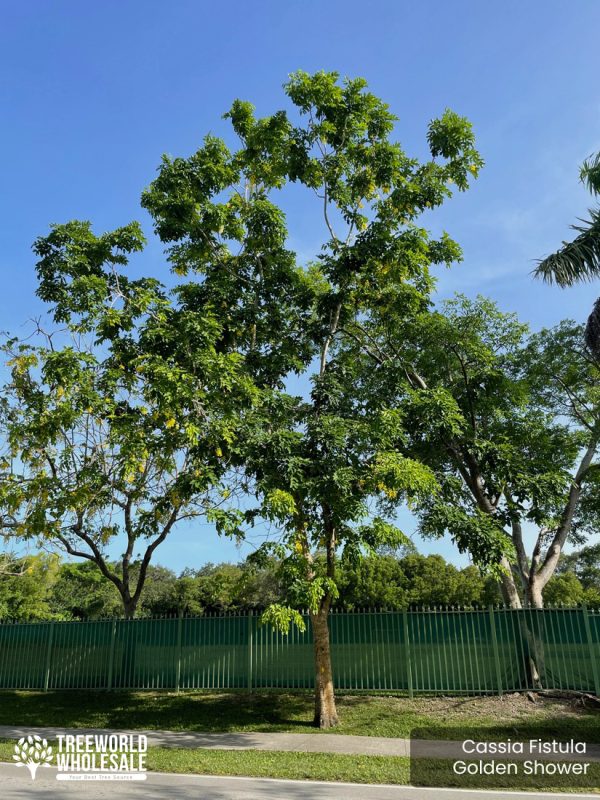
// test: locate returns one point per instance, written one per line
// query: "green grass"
(269, 764)
(324, 767)
(490, 717)
(439, 772)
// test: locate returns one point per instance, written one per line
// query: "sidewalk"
(295, 742)
(302, 742)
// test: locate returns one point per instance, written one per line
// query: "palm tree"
(579, 260)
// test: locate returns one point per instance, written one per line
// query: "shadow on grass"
(277, 712)
(191, 711)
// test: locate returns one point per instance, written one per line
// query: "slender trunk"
(325, 710)
(124, 677)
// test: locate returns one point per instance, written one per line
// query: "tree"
(564, 589)
(509, 424)
(412, 581)
(328, 467)
(82, 592)
(26, 593)
(375, 581)
(579, 260)
(110, 440)
(320, 463)
(584, 564)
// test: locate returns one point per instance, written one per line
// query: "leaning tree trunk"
(325, 710)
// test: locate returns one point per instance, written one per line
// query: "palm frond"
(589, 173)
(578, 260)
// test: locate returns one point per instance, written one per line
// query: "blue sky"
(93, 93)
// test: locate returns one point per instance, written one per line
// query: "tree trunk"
(509, 587)
(535, 645)
(129, 607)
(325, 710)
(125, 677)
(534, 594)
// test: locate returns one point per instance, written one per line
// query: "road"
(15, 784)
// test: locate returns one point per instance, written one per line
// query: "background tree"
(579, 260)
(564, 589)
(110, 441)
(320, 462)
(26, 592)
(509, 423)
(77, 590)
(413, 581)
(81, 591)
(584, 565)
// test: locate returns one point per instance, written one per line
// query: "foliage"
(46, 588)
(315, 462)
(584, 566)
(414, 581)
(101, 442)
(578, 260)
(508, 423)
(211, 364)
(565, 590)
(27, 592)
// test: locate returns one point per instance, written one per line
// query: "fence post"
(407, 651)
(496, 651)
(588, 633)
(178, 672)
(48, 656)
(250, 648)
(111, 655)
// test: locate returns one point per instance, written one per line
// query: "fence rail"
(441, 652)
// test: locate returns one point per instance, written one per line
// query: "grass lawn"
(489, 717)
(270, 764)
(319, 767)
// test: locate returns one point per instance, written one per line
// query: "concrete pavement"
(296, 742)
(14, 785)
(291, 742)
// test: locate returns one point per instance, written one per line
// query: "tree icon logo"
(32, 752)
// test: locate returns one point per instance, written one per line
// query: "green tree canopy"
(328, 467)
(110, 442)
(508, 422)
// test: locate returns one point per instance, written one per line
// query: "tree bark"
(508, 586)
(129, 607)
(534, 593)
(325, 710)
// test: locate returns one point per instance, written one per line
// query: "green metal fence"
(441, 651)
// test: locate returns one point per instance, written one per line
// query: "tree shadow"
(208, 713)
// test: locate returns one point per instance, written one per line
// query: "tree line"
(44, 587)
(311, 396)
